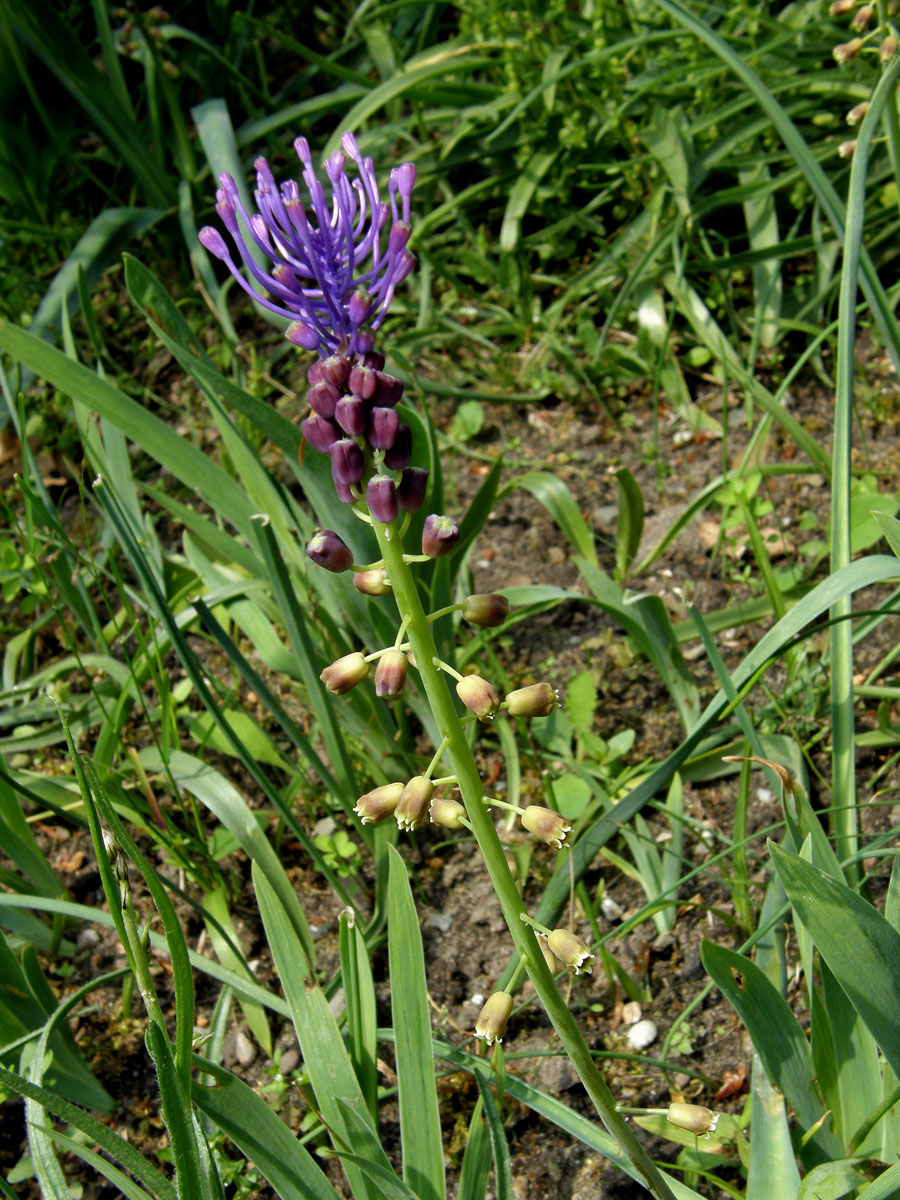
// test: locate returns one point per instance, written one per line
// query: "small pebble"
(631, 1012)
(642, 1035)
(87, 938)
(440, 922)
(244, 1049)
(611, 909)
(289, 1061)
(478, 999)
(324, 828)
(765, 795)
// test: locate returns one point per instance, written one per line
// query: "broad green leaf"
(630, 521)
(325, 1057)
(216, 904)
(776, 1036)
(829, 1181)
(420, 1123)
(559, 502)
(860, 947)
(773, 1169)
(261, 1135)
(361, 1007)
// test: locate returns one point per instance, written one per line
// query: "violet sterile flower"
(335, 263)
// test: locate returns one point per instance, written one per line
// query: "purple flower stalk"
(337, 262)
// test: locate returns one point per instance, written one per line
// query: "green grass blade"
(215, 903)
(550, 491)
(885, 1187)
(503, 1180)
(773, 1170)
(629, 523)
(184, 1135)
(776, 1036)
(881, 307)
(420, 1123)
(362, 1023)
(476, 1164)
(860, 947)
(231, 809)
(116, 1146)
(261, 1135)
(325, 1057)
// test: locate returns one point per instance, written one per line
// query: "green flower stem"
(443, 708)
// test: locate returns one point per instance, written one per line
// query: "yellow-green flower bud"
(845, 149)
(390, 675)
(345, 673)
(491, 1023)
(693, 1117)
(486, 608)
(856, 114)
(546, 825)
(888, 48)
(412, 808)
(374, 806)
(847, 50)
(549, 957)
(447, 813)
(372, 583)
(840, 8)
(571, 951)
(862, 18)
(479, 696)
(537, 700)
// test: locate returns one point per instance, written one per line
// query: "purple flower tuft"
(336, 261)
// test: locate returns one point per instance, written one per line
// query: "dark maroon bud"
(389, 392)
(400, 453)
(362, 382)
(439, 536)
(320, 434)
(329, 550)
(381, 432)
(374, 360)
(346, 461)
(344, 491)
(322, 397)
(315, 371)
(411, 489)
(381, 497)
(336, 369)
(352, 415)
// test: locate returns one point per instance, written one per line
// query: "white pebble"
(642, 1035)
(244, 1049)
(631, 1013)
(611, 909)
(477, 1000)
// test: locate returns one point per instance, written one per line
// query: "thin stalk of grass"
(846, 817)
(471, 789)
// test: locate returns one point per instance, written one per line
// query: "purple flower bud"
(344, 492)
(374, 806)
(320, 434)
(315, 372)
(389, 391)
(347, 463)
(400, 453)
(486, 609)
(302, 335)
(359, 307)
(390, 675)
(350, 413)
(363, 381)
(381, 497)
(372, 583)
(373, 359)
(412, 488)
(381, 432)
(330, 551)
(365, 340)
(322, 397)
(336, 369)
(214, 242)
(479, 696)
(412, 807)
(399, 237)
(345, 673)
(439, 536)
